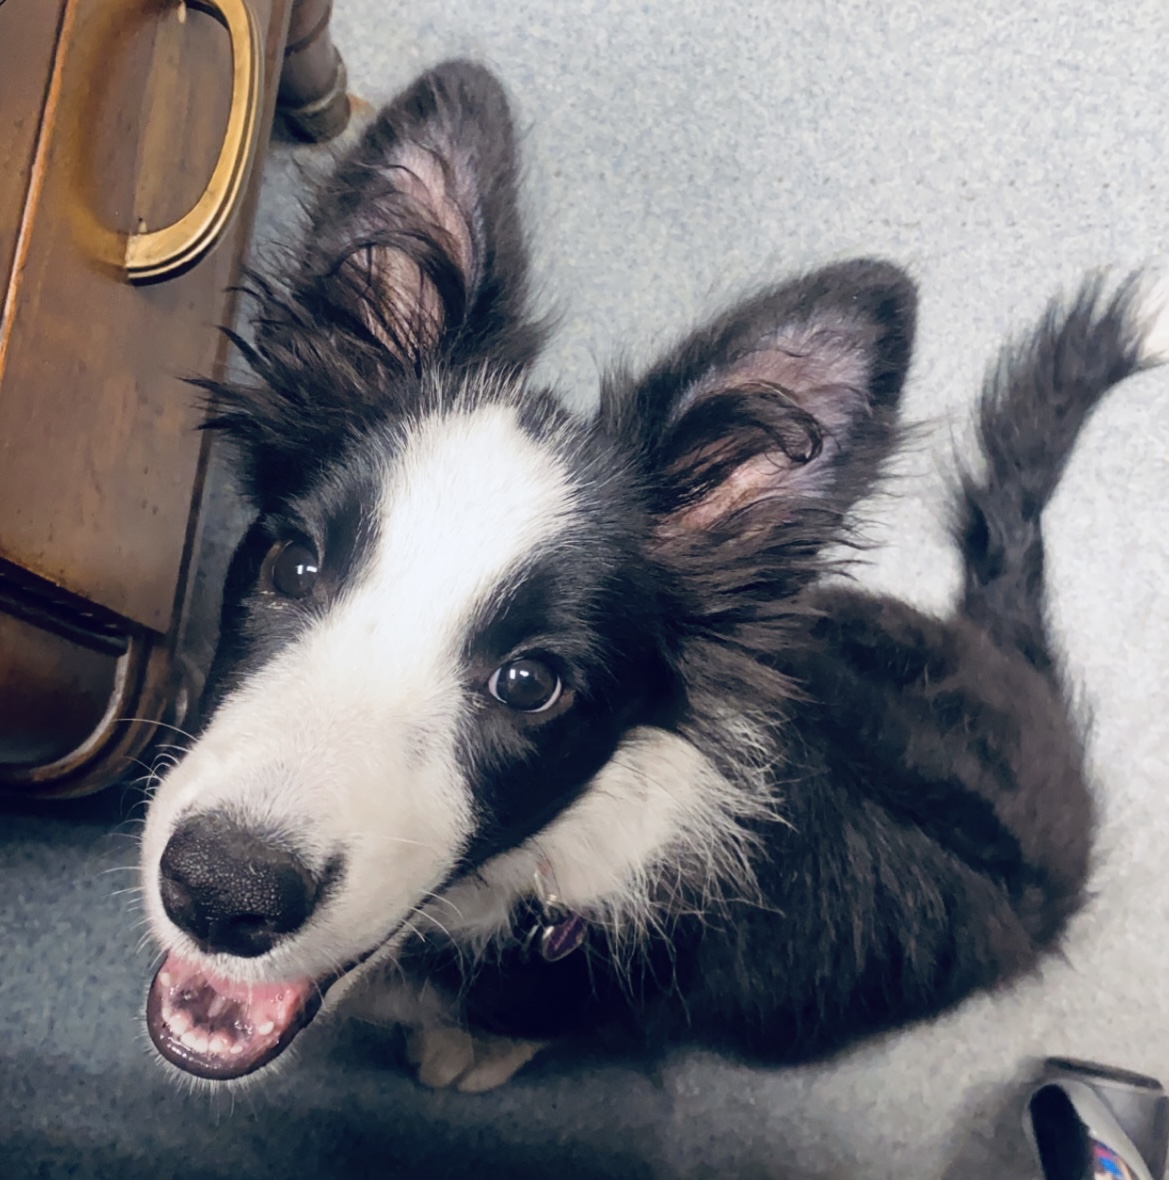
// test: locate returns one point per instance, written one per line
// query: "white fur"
(659, 809)
(659, 812)
(1153, 317)
(346, 739)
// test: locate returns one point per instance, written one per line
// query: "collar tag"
(559, 940)
(557, 931)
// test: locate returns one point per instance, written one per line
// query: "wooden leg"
(312, 97)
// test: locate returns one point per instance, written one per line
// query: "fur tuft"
(1034, 405)
(1152, 316)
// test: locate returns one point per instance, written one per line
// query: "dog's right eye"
(293, 568)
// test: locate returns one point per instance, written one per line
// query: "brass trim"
(155, 254)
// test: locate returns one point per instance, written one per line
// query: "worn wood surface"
(98, 449)
(111, 115)
(30, 34)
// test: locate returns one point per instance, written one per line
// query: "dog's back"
(936, 826)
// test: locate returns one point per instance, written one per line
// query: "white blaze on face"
(346, 740)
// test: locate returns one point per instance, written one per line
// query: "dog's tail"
(1033, 406)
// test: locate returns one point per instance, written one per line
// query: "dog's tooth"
(219, 1044)
(165, 978)
(237, 1049)
(217, 1006)
(265, 1028)
(195, 1039)
(179, 1022)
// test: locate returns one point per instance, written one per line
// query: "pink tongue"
(218, 1028)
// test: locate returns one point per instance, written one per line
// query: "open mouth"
(216, 1028)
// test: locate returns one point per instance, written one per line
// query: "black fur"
(931, 825)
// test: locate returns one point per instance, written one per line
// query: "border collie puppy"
(543, 725)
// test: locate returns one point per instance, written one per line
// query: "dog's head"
(470, 636)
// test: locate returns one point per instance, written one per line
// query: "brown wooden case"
(129, 130)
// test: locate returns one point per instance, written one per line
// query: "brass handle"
(156, 253)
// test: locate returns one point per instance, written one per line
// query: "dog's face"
(469, 635)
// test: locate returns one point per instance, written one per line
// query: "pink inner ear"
(749, 483)
(406, 311)
(817, 369)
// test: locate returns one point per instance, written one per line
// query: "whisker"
(431, 918)
(161, 724)
(415, 843)
(167, 746)
(445, 900)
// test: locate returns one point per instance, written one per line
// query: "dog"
(539, 725)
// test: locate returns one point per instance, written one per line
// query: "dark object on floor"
(1087, 1121)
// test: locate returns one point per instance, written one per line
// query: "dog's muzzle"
(233, 892)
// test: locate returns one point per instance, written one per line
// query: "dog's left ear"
(779, 413)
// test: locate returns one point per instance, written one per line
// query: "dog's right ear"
(416, 238)
(414, 258)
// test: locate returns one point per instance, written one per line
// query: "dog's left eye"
(527, 685)
(294, 568)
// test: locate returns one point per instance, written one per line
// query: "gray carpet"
(678, 153)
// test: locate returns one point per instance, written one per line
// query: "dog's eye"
(527, 685)
(294, 568)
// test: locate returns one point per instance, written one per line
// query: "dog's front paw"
(446, 1055)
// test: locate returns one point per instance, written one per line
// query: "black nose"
(232, 890)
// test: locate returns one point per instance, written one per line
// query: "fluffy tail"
(1033, 407)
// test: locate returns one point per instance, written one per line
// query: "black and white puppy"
(550, 725)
